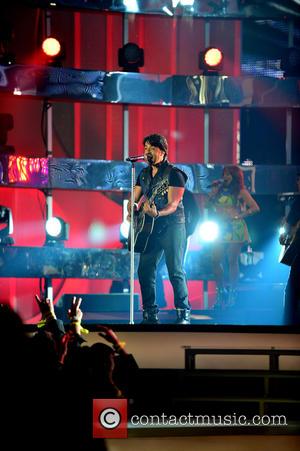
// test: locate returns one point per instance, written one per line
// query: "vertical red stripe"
(172, 136)
(109, 67)
(109, 124)
(109, 42)
(77, 63)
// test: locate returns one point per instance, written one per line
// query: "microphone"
(216, 183)
(136, 158)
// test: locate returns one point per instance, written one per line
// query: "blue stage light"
(208, 231)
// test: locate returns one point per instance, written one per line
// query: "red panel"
(230, 45)
(157, 38)
(189, 135)
(190, 41)
(224, 123)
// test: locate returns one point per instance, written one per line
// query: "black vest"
(149, 184)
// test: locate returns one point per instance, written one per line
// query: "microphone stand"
(131, 307)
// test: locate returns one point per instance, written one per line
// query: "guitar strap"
(163, 180)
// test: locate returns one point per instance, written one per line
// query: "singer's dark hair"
(157, 140)
(237, 175)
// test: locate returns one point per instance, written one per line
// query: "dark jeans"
(171, 242)
(292, 295)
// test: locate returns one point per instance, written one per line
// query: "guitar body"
(143, 227)
(143, 224)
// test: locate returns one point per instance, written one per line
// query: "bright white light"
(53, 227)
(124, 230)
(208, 231)
(247, 162)
(17, 92)
(175, 3)
(167, 11)
(97, 232)
(131, 5)
(187, 2)
(281, 230)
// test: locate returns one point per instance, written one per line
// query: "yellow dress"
(224, 206)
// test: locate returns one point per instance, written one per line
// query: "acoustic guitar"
(142, 223)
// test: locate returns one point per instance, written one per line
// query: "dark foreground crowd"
(50, 377)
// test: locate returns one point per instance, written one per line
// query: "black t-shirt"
(176, 178)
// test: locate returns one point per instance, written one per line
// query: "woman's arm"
(251, 206)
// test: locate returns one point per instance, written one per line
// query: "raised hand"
(46, 307)
(74, 313)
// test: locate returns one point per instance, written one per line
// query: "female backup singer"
(229, 203)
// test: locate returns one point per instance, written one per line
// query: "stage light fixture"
(57, 231)
(6, 226)
(53, 51)
(124, 231)
(211, 60)
(124, 227)
(131, 57)
(208, 231)
(51, 47)
(131, 5)
(290, 62)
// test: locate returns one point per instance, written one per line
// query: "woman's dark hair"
(157, 140)
(237, 175)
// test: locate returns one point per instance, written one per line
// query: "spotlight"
(208, 231)
(131, 57)
(57, 231)
(53, 51)
(281, 230)
(124, 227)
(6, 226)
(211, 60)
(124, 231)
(290, 62)
(131, 5)
(187, 2)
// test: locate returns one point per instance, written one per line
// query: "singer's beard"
(150, 159)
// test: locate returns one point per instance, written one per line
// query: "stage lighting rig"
(53, 51)
(208, 231)
(131, 57)
(57, 231)
(211, 61)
